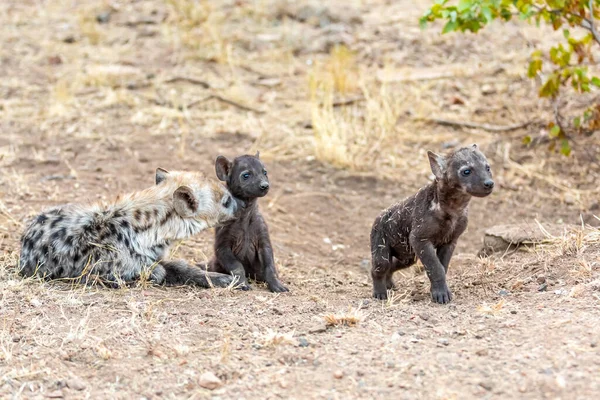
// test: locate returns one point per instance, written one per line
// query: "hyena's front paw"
(441, 294)
(277, 287)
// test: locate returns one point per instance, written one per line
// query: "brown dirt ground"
(90, 110)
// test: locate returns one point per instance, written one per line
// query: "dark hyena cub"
(118, 243)
(427, 225)
(243, 247)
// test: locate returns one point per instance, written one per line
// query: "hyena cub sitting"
(427, 225)
(243, 247)
(117, 243)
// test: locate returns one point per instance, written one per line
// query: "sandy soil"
(89, 109)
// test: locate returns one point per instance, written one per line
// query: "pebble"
(444, 341)
(486, 385)
(103, 17)
(482, 352)
(503, 292)
(543, 287)
(338, 374)
(76, 384)
(513, 311)
(318, 328)
(302, 342)
(210, 381)
(541, 279)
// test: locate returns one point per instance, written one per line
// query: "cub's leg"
(440, 293)
(226, 261)
(381, 271)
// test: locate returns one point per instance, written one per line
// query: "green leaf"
(487, 13)
(577, 122)
(464, 5)
(595, 81)
(535, 66)
(555, 131)
(527, 139)
(450, 27)
(423, 22)
(565, 147)
(566, 33)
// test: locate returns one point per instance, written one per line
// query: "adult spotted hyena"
(117, 243)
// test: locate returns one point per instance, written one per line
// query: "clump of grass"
(351, 318)
(350, 136)
(199, 27)
(491, 309)
(273, 338)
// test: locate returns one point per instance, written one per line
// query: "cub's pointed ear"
(474, 146)
(185, 202)
(257, 155)
(438, 164)
(223, 168)
(161, 175)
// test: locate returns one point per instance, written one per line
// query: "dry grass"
(352, 317)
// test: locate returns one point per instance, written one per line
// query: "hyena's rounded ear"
(474, 146)
(223, 168)
(185, 202)
(161, 175)
(437, 163)
(257, 155)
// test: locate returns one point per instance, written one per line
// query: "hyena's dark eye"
(466, 172)
(487, 168)
(245, 176)
(264, 172)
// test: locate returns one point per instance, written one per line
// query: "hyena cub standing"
(427, 225)
(117, 243)
(243, 247)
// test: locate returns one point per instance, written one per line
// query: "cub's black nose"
(264, 185)
(489, 184)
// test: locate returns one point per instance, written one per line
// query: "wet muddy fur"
(428, 224)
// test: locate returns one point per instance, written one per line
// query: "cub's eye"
(466, 172)
(246, 176)
(264, 172)
(487, 168)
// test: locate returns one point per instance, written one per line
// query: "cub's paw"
(277, 287)
(380, 295)
(243, 286)
(222, 281)
(441, 294)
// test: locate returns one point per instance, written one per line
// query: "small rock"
(103, 17)
(365, 264)
(302, 342)
(482, 352)
(444, 341)
(424, 317)
(503, 292)
(543, 287)
(76, 384)
(593, 344)
(338, 374)
(210, 381)
(513, 311)
(69, 39)
(318, 328)
(541, 279)
(569, 199)
(390, 364)
(488, 89)
(486, 385)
